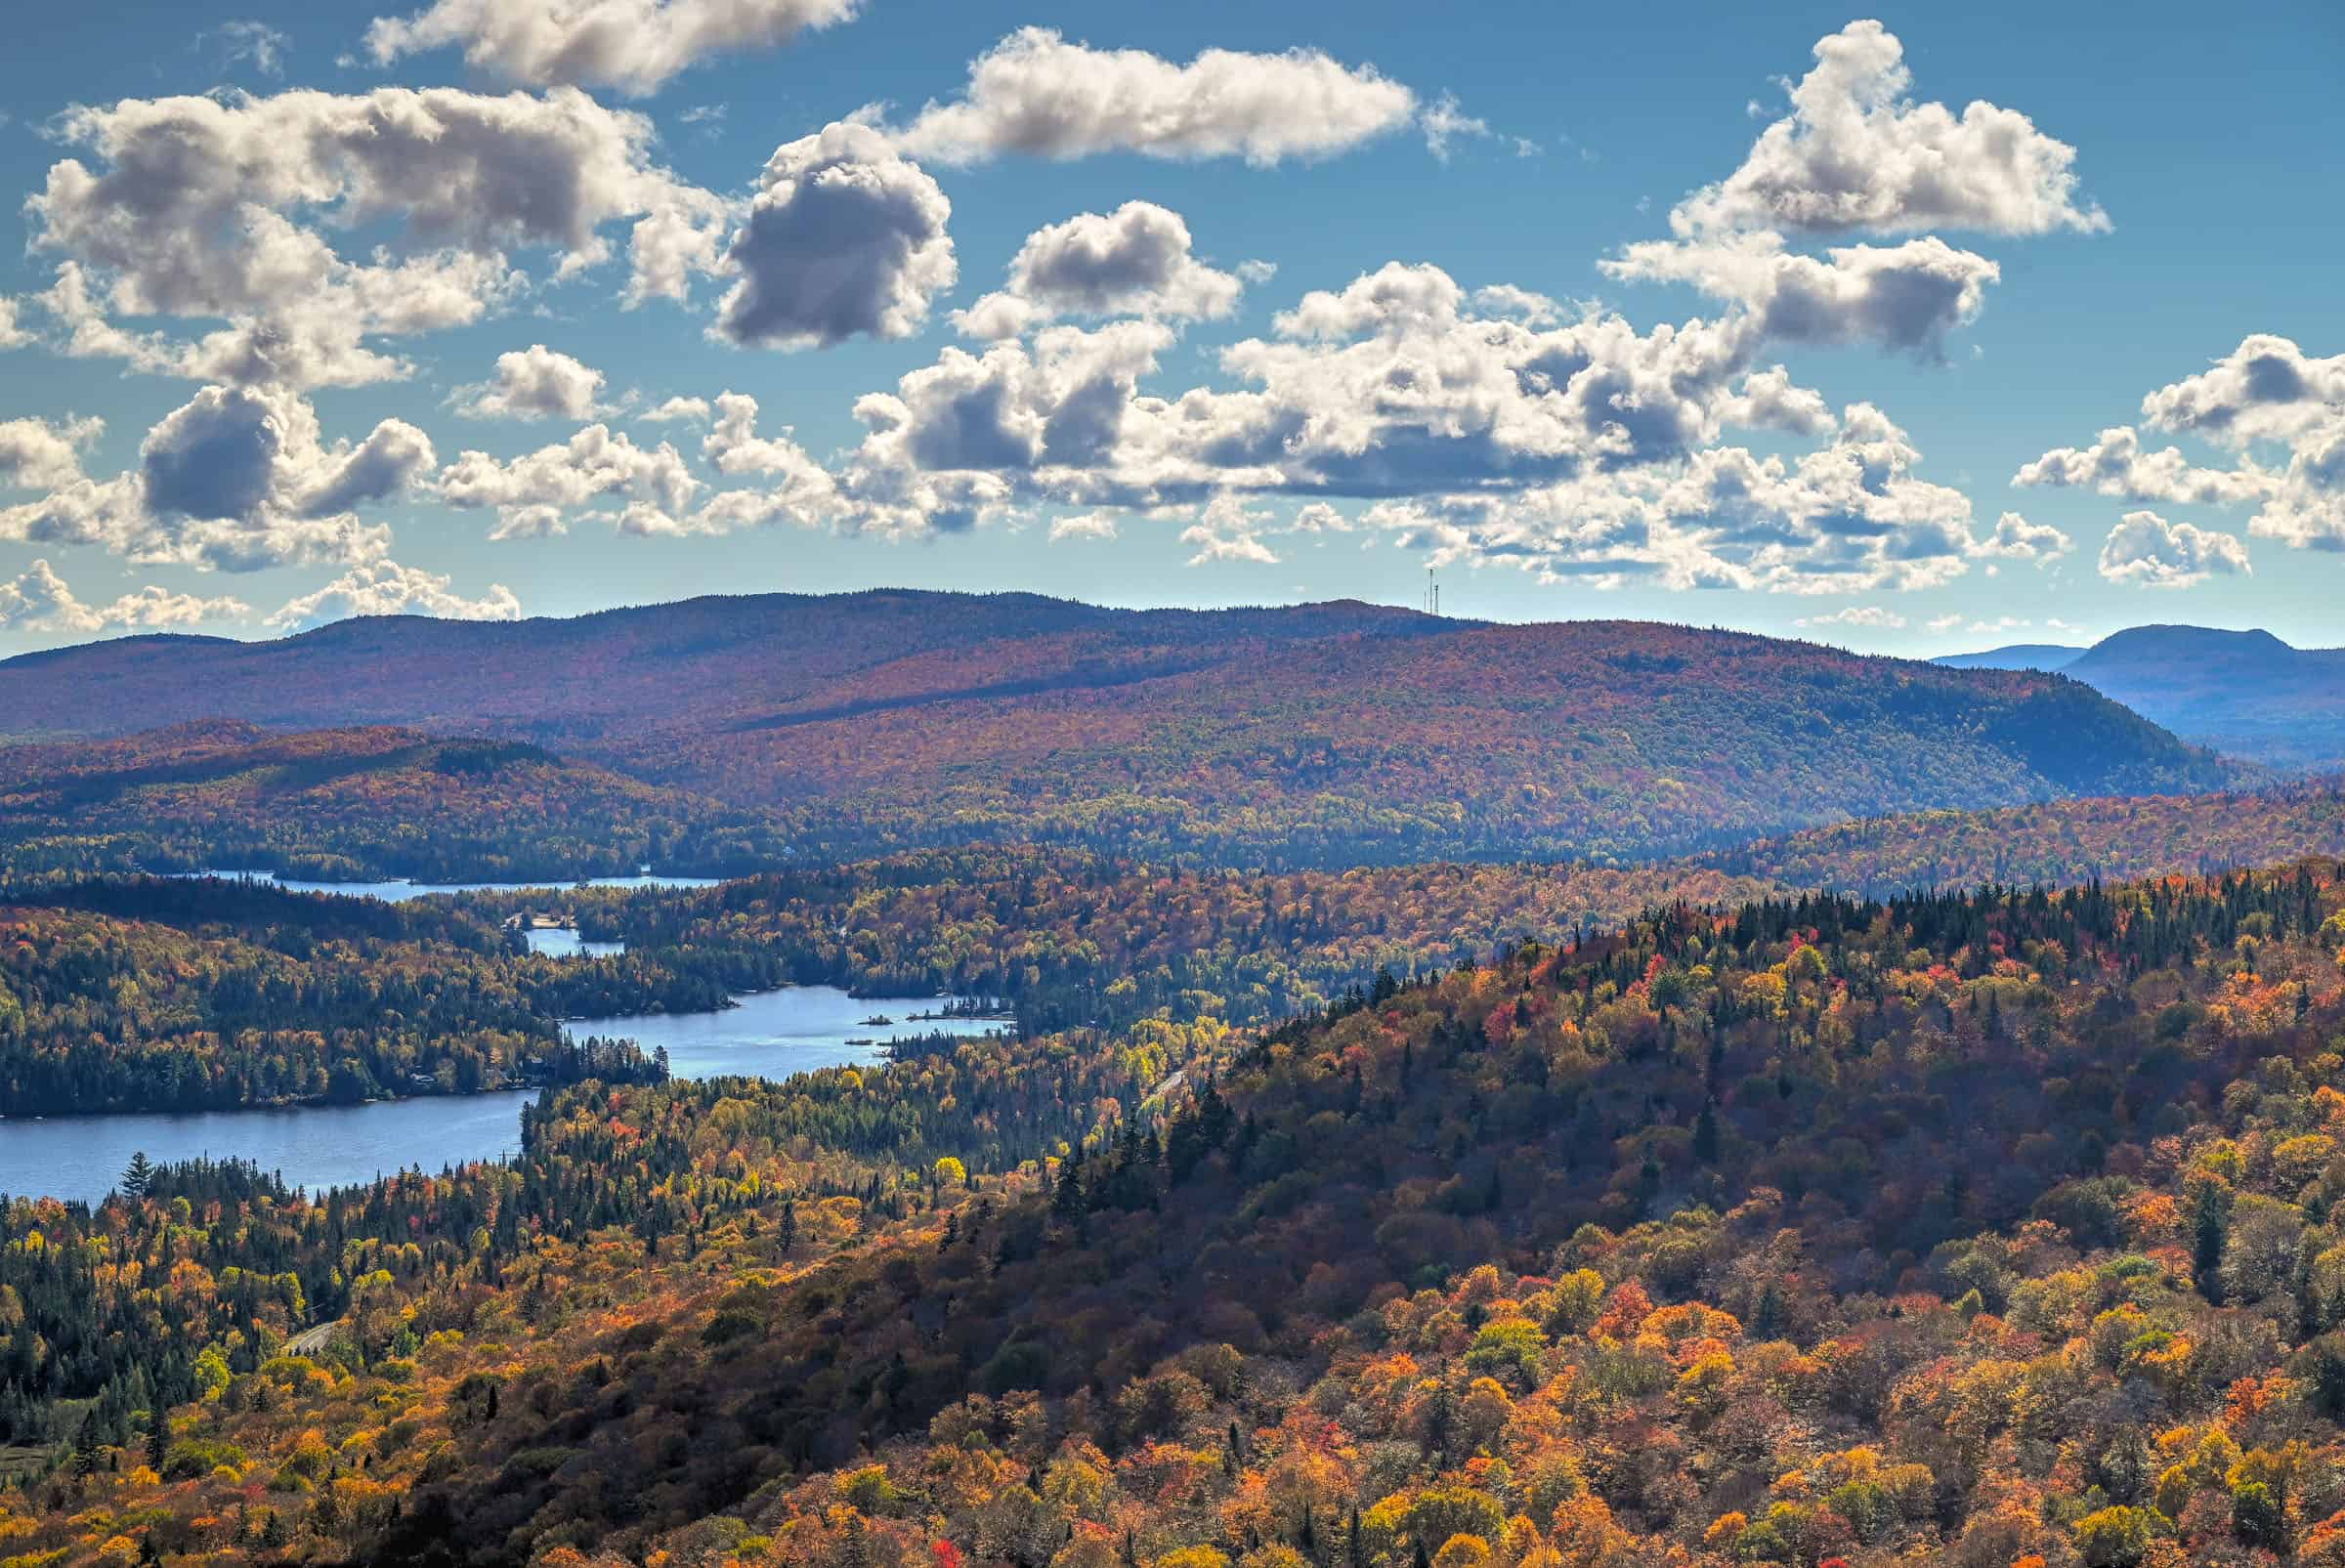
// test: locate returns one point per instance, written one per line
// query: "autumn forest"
(1432, 1096)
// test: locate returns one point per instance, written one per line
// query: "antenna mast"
(1432, 593)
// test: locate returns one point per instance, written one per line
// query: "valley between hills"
(1355, 1090)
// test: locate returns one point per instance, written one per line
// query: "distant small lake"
(400, 890)
(772, 1034)
(557, 941)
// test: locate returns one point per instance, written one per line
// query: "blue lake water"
(401, 890)
(311, 1145)
(557, 942)
(775, 1034)
(770, 1035)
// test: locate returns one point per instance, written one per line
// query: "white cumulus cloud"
(536, 383)
(1136, 261)
(844, 239)
(2116, 465)
(387, 588)
(220, 209)
(1858, 154)
(633, 45)
(1870, 617)
(2146, 549)
(540, 492)
(2266, 396)
(38, 600)
(2014, 538)
(236, 479)
(1907, 296)
(1035, 93)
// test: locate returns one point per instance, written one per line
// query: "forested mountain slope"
(1319, 735)
(2246, 692)
(696, 665)
(1959, 1230)
(352, 805)
(2060, 843)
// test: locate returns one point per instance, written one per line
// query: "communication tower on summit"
(1432, 593)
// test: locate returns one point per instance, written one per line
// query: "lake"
(400, 890)
(312, 1144)
(772, 1034)
(556, 942)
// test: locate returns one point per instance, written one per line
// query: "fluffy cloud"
(1317, 517)
(633, 45)
(1134, 262)
(2148, 550)
(387, 588)
(2267, 388)
(209, 207)
(797, 488)
(1214, 548)
(1906, 296)
(537, 383)
(1871, 618)
(157, 609)
(539, 492)
(1394, 385)
(845, 237)
(675, 409)
(1849, 517)
(2308, 508)
(1228, 532)
(1770, 400)
(36, 454)
(1857, 154)
(12, 335)
(2116, 465)
(2265, 394)
(236, 479)
(2017, 539)
(1085, 525)
(38, 600)
(1061, 404)
(1397, 385)
(242, 454)
(1035, 93)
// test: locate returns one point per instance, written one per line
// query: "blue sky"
(1977, 317)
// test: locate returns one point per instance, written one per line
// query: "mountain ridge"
(1301, 734)
(2248, 692)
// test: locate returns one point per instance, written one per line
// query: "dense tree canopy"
(352, 804)
(1962, 1227)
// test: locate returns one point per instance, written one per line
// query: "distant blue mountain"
(2019, 655)
(2246, 692)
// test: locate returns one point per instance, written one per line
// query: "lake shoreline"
(317, 1145)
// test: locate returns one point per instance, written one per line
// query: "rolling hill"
(1979, 1230)
(2245, 693)
(2059, 843)
(1316, 734)
(354, 804)
(2016, 656)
